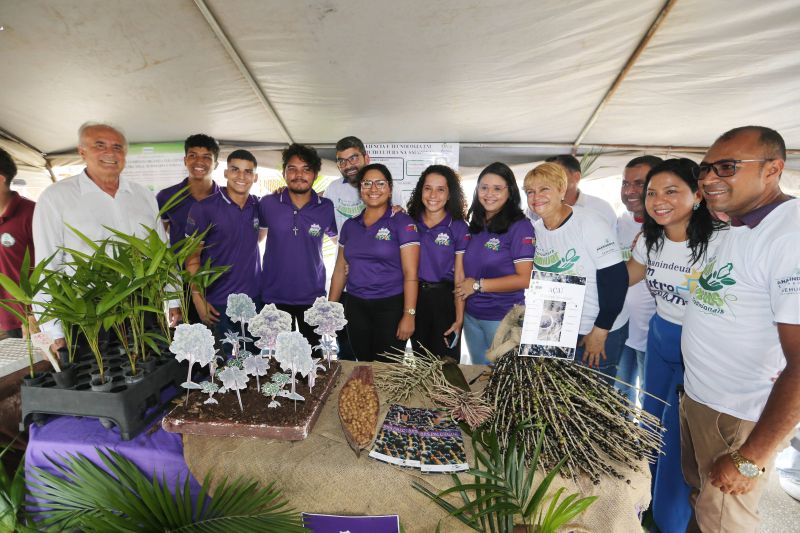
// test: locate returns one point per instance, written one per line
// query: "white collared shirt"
(78, 202)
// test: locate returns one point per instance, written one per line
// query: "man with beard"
(295, 219)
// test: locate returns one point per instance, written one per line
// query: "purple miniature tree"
(329, 318)
(193, 343)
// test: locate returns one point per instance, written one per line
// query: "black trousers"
(298, 321)
(372, 324)
(436, 312)
(343, 339)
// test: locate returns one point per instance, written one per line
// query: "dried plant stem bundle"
(586, 420)
(418, 371)
(467, 407)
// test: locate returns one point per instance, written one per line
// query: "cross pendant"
(294, 229)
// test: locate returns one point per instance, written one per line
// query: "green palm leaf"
(87, 497)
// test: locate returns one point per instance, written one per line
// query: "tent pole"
(14, 138)
(665, 9)
(237, 60)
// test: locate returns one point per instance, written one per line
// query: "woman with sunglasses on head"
(577, 241)
(437, 205)
(678, 236)
(498, 258)
(381, 250)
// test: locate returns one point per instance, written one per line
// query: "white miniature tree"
(271, 390)
(255, 365)
(293, 353)
(267, 324)
(193, 343)
(234, 379)
(312, 376)
(329, 318)
(209, 387)
(242, 309)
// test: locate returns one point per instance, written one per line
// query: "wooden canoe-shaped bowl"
(364, 374)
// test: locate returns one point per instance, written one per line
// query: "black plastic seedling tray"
(129, 406)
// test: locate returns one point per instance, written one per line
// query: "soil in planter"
(290, 421)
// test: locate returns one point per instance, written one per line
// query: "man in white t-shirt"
(574, 196)
(741, 334)
(639, 302)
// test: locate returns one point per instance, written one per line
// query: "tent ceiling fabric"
(510, 71)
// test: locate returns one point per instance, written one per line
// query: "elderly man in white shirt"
(90, 201)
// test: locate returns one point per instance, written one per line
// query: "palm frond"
(122, 498)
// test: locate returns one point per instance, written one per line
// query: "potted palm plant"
(23, 295)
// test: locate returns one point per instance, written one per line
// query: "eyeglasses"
(724, 168)
(379, 184)
(347, 161)
(497, 189)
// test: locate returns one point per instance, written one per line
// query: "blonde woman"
(576, 241)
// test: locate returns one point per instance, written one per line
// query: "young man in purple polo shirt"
(201, 153)
(295, 219)
(231, 216)
(16, 236)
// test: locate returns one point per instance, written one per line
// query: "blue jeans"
(662, 375)
(479, 335)
(614, 344)
(631, 370)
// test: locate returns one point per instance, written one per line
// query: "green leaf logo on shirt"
(712, 294)
(551, 260)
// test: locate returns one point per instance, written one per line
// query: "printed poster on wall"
(406, 161)
(553, 307)
(155, 165)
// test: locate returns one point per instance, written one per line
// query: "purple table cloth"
(156, 451)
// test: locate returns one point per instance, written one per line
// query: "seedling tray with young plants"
(130, 405)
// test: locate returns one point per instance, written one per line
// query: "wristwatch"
(477, 286)
(746, 467)
(411, 311)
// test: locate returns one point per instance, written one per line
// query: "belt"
(437, 285)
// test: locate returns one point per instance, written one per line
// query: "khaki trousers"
(705, 435)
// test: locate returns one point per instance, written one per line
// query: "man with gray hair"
(97, 198)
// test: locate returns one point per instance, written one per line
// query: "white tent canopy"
(510, 80)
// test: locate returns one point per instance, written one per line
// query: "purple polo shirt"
(439, 246)
(232, 240)
(293, 272)
(492, 255)
(177, 215)
(373, 254)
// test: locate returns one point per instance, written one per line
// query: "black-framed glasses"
(724, 168)
(340, 162)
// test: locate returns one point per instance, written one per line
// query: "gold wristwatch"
(746, 467)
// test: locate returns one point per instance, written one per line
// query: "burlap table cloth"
(321, 474)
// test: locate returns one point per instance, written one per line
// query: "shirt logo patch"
(713, 292)
(255, 223)
(529, 240)
(411, 227)
(384, 234)
(314, 230)
(443, 239)
(7, 240)
(551, 261)
(493, 244)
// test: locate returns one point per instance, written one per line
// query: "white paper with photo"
(553, 307)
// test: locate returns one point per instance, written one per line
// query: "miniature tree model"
(312, 376)
(329, 318)
(241, 309)
(255, 365)
(293, 353)
(194, 343)
(267, 324)
(234, 379)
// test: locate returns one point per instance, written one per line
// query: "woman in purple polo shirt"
(381, 250)
(498, 259)
(437, 205)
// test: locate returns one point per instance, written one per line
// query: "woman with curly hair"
(437, 205)
(498, 259)
(678, 236)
